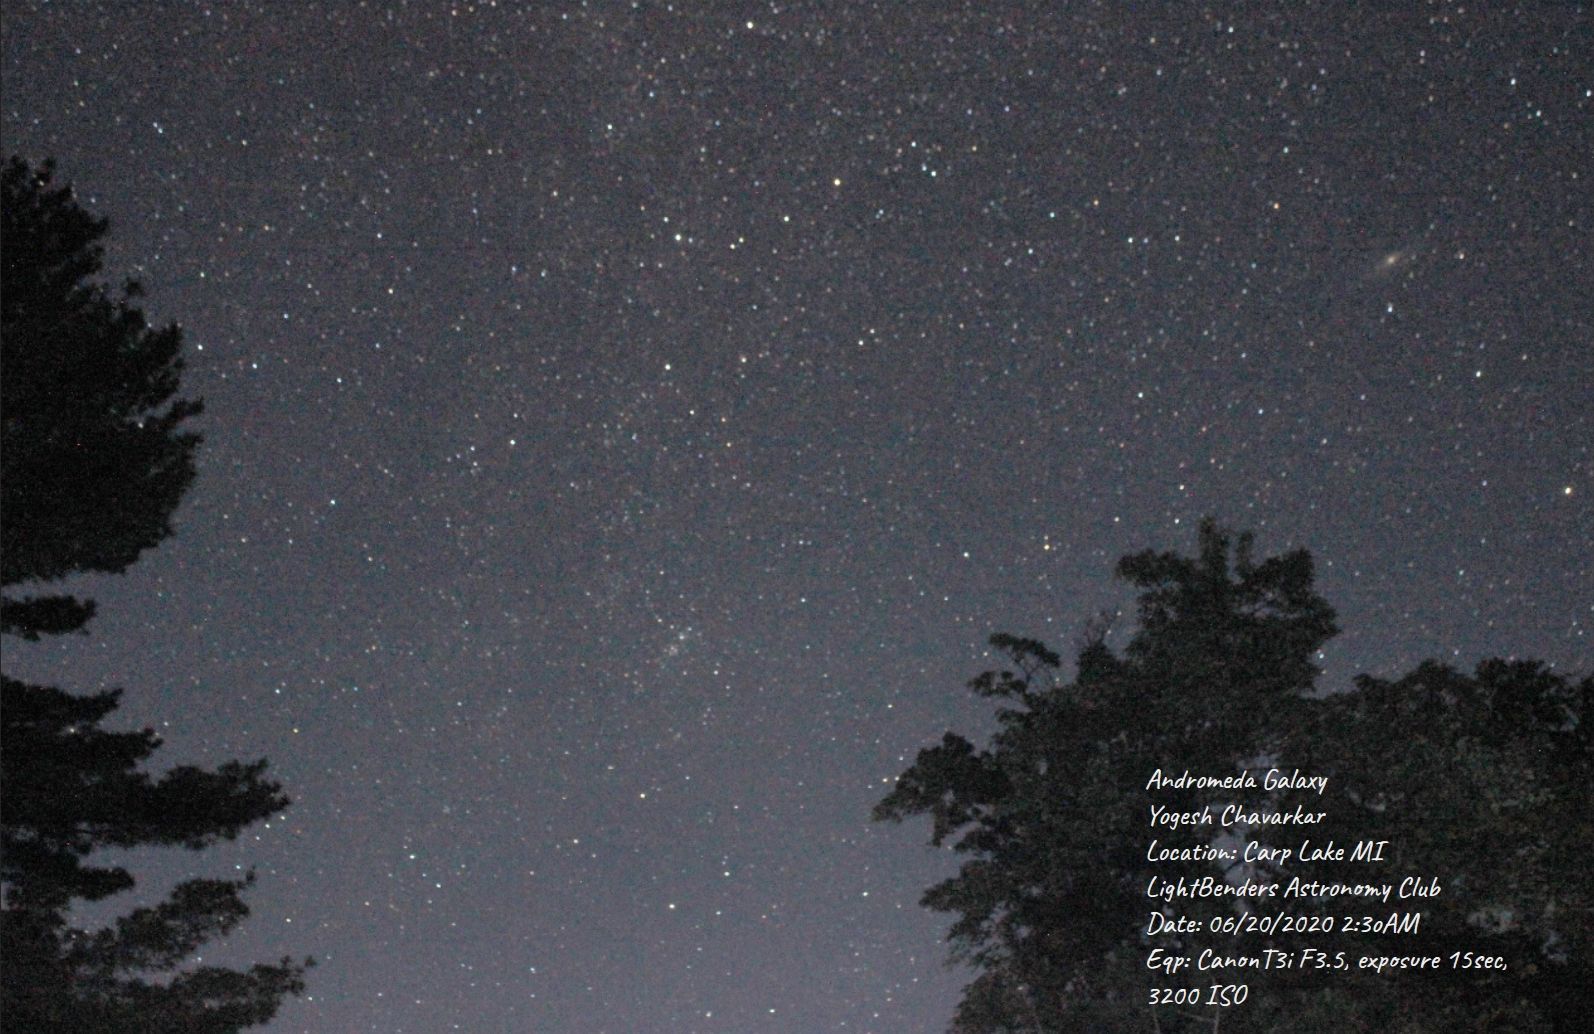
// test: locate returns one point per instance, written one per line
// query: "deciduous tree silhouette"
(1052, 816)
(93, 461)
(1479, 781)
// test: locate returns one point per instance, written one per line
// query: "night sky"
(626, 422)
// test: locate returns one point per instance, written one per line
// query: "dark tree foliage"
(1052, 817)
(95, 459)
(70, 788)
(94, 463)
(1481, 781)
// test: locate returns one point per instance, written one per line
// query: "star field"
(625, 423)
